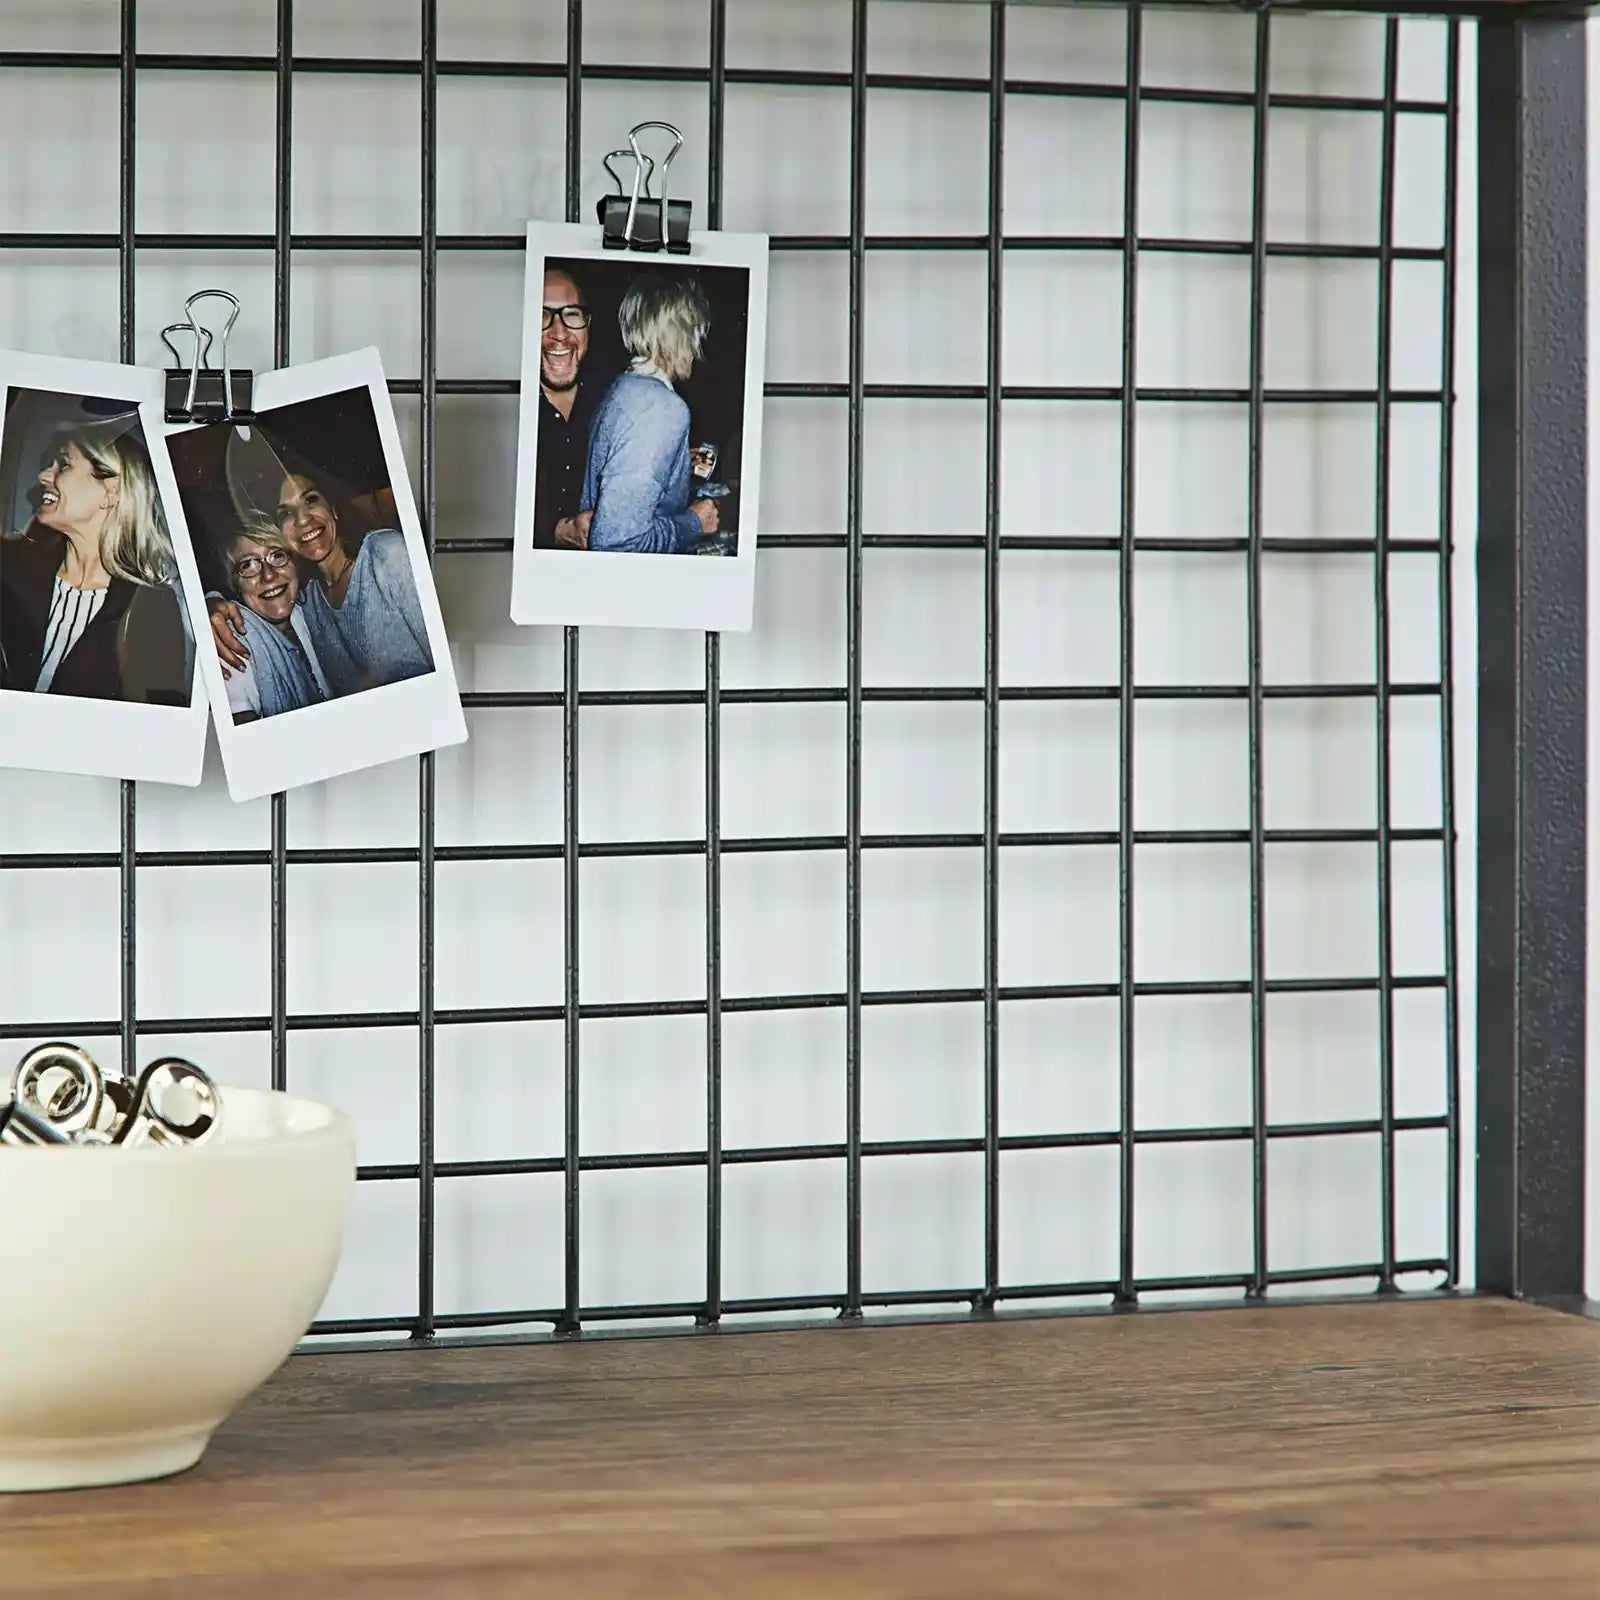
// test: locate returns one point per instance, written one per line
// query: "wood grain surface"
(1441, 1447)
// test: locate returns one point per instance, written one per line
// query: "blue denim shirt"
(637, 483)
(284, 677)
(377, 636)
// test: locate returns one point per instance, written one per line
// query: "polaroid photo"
(97, 652)
(322, 647)
(640, 431)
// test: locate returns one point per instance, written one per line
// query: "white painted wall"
(205, 163)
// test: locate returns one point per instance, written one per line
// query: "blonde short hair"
(134, 544)
(263, 529)
(665, 321)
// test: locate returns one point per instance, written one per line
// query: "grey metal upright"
(1533, 655)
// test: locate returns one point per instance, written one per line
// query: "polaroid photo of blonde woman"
(97, 651)
(322, 645)
(640, 435)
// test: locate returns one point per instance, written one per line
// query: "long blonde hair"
(134, 543)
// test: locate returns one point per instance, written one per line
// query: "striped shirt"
(71, 612)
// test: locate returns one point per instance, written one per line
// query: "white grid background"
(205, 163)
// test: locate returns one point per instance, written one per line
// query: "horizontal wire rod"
(767, 1155)
(446, 1016)
(1086, 392)
(401, 66)
(774, 844)
(1105, 393)
(1354, 1272)
(509, 699)
(1147, 543)
(912, 694)
(821, 244)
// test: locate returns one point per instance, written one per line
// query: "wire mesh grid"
(999, 88)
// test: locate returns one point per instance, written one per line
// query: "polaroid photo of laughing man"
(97, 653)
(640, 432)
(322, 644)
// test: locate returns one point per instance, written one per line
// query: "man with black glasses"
(568, 396)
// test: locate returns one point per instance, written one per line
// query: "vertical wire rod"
(427, 877)
(1446, 656)
(1380, 563)
(1258, 997)
(128, 906)
(853, 612)
(1125, 570)
(713, 753)
(281, 245)
(991, 661)
(571, 1027)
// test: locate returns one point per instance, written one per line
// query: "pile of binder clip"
(59, 1096)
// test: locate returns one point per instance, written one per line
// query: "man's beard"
(545, 381)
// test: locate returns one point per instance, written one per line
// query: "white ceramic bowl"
(147, 1291)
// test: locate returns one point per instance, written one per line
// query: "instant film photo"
(639, 452)
(322, 646)
(97, 650)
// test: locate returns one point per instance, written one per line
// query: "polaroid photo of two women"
(274, 568)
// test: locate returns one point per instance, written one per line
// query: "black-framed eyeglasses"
(574, 318)
(252, 566)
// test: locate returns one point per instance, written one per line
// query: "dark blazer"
(134, 649)
(563, 453)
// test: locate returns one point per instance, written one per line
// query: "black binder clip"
(201, 392)
(638, 220)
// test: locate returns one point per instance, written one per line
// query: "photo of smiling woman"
(90, 602)
(309, 567)
(321, 644)
(280, 670)
(357, 594)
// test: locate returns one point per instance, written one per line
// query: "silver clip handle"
(174, 1102)
(204, 351)
(616, 177)
(666, 166)
(200, 334)
(60, 1083)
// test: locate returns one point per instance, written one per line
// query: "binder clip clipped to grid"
(201, 392)
(637, 219)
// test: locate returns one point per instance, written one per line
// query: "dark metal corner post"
(1533, 656)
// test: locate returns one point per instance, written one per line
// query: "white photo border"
(359, 730)
(108, 738)
(621, 588)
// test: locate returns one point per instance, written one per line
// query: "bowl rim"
(333, 1127)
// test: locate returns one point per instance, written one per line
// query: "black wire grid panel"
(854, 1297)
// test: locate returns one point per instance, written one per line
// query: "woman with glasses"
(282, 672)
(358, 595)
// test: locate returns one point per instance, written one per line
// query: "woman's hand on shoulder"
(227, 634)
